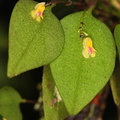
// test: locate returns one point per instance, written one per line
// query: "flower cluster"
(88, 50)
(37, 13)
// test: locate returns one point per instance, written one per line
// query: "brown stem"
(30, 101)
(68, 3)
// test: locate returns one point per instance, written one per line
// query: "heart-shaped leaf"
(54, 108)
(9, 103)
(114, 81)
(115, 85)
(81, 71)
(33, 41)
(117, 38)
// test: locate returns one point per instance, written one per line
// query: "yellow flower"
(88, 50)
(37, 13)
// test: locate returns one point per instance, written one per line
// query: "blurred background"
(26, 83)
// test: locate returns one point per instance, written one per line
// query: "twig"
(68, 3)
(30, 101)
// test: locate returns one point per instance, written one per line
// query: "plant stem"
(68, 3)
(30, 101)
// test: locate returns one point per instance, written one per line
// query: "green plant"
(78, 53)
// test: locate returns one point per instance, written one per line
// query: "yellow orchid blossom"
(88, 50)
(37, 13)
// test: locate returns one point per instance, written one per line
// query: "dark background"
(26, 83)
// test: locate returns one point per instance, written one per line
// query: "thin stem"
(30, 101)
(68, 3)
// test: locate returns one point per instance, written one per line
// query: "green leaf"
(9, 103)
(114, 81)
(32, 44)
(115, 85)
(78, 78)
(117, 38)
(53, 110)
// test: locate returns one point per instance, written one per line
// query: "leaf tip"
(11, 74)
